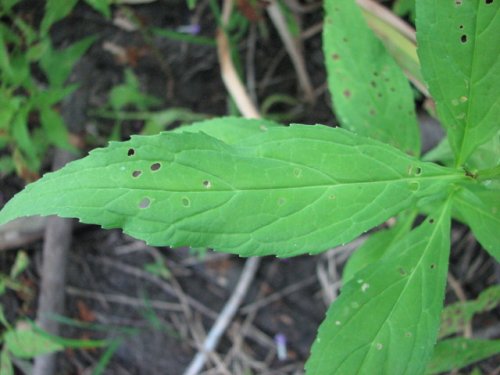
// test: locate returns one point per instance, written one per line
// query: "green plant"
(23, 98)
(253, 187)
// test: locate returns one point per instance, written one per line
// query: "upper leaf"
(370, 93)
(285, 191)
(458, 48)
(386, 318)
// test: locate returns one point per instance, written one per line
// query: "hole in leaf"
(414, 186)
(431, 221)
(155, 166)
(347, 93)
(408, 334)
(418, 171)
(488, 2)
(402, 271)
(433, 266)
(379, 346)
(335, 56)
(461, 26)
(463, 38)
(186, 202)
(136, 173)
(130, 152)
(373, 83)
(144, 203)
(458, 2)
(207, 184)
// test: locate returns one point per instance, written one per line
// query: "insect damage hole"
(130, 152)
(463, 38)
(207, 184)
(144, 203)
(488, 2)
(136, 174)
(185, 202)
(155, 167)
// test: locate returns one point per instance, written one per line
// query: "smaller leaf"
(479, 207)
(6, 367)
(55, 10)
(230, 130)
(386, 319)
(58, 64)
(129, 93)
(55, 128)
(25, 342)
(370, 93)
(454, 354)
(454, 317)
(20, 264)
(102, 6)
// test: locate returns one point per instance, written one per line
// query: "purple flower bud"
(281, 351)
(189, 29)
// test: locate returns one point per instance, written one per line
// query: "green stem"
(488, 174)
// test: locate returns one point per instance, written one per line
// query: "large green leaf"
(285, 191)
(370, 93)
(456, 353)
(386, 319)
(479, 207)
(458, 48)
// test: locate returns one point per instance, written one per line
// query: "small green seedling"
(254, 187)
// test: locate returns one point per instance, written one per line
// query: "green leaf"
(55, 128)
(8, 4)
(459, 49)
(129, 94)
(286, 191)
(25, 342)
(20, 264)
(6, 367)
(404, 7)
(102, 6)
(454, 317)
(369, 91)
(456, 353)
(386, 319)
(160, 121)
(375, 247)
(58, 64)
(479, 207)
(22, 137)
(231, 130)
(55, 10)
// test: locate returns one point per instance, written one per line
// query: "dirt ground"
(113, 290)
